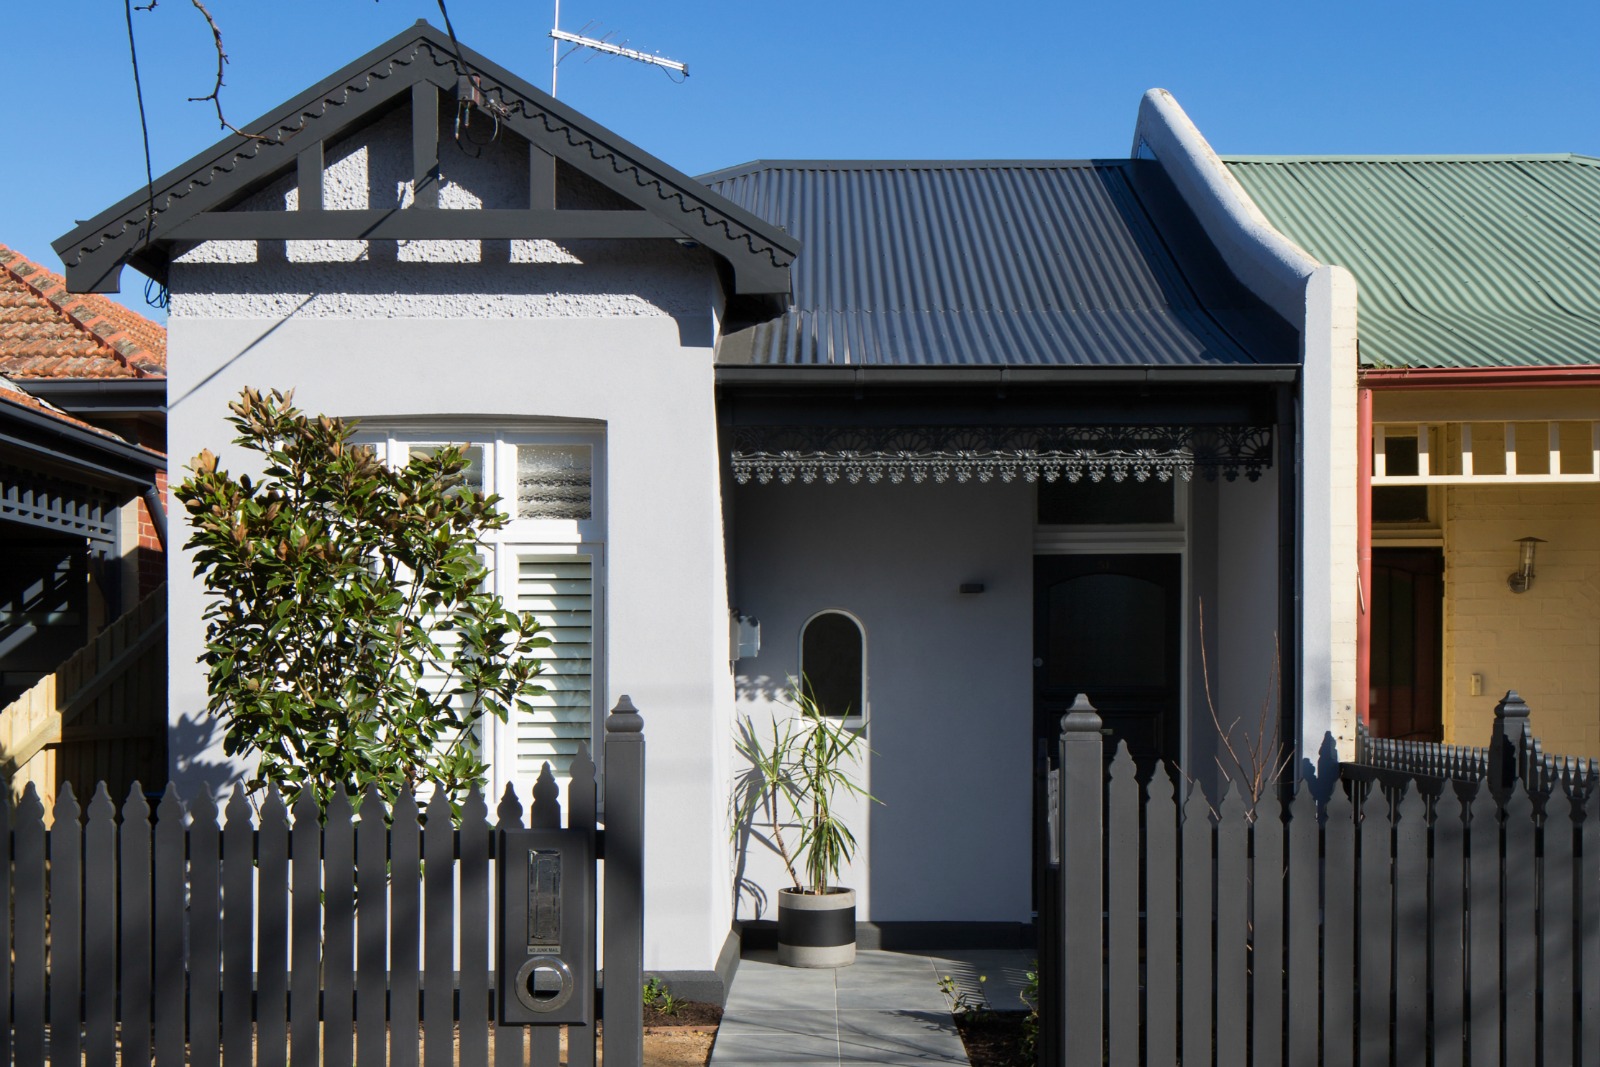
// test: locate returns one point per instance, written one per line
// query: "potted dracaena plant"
(797, 775)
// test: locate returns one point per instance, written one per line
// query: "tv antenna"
(558, 35)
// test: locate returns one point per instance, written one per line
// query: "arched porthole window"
(833, 664)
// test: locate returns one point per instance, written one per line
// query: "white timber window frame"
(525, 557)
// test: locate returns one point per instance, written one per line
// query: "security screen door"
(1109, 626)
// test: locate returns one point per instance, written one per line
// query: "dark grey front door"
(1109, 626)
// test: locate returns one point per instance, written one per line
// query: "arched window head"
(833, 665)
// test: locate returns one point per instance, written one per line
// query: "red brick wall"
(149, 558)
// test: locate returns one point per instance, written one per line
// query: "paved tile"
(786, 1023)
(759, 1037)
(1004, 970)
(762, 986)
(885, 1010)
(891, 980)
(899, 1037)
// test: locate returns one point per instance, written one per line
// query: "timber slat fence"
(100, 716)
(296, 936)
(1375, 926)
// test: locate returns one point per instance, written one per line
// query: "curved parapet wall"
(1319, 300)
(1272, 266)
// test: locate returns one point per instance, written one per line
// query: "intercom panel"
(545, 967)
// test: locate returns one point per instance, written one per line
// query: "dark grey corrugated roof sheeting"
(995, 263)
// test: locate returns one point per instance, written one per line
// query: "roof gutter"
(1480, 378)
(88, 453)
(84, 452)
(746, 375)
(113, 396)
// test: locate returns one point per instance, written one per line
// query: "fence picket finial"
(273, 807)
(474, 808)
(66, 803)
(305, 806)
(30, 804)
(624, 717)
(509, 813)
(546, 799)
(135, 807)
(1122, 769)
(238, 809)
(102, 807)
(1081, 718)
(171, 804)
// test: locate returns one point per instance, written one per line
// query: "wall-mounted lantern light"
(1521, 579)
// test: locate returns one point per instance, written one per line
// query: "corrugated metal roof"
(995, 263)
(1461, 261)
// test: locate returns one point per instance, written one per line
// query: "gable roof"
(47, 332)
(1462, 261)
(996, 263)
(183, 203)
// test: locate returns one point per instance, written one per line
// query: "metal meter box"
(544, 963)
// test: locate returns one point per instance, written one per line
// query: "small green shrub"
(350, 641)
(659, 997)
(964, 1002)
(1030, 1022)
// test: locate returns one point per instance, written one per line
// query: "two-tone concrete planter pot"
(817, 929)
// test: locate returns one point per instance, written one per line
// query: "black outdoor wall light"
(1521, 579)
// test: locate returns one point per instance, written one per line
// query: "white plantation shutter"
(560, 592)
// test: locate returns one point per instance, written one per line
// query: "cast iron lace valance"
(832, 454)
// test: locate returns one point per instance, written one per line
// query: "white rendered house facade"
(625, 350)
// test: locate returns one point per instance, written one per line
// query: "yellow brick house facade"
(1478, 283)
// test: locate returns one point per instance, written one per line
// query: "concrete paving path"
(885, 1009)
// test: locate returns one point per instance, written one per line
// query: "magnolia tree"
(350, 640)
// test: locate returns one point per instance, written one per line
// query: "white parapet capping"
(1320, 301)
(1328, 438)
(1267, 262)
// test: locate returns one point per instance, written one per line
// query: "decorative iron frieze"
(916, 454)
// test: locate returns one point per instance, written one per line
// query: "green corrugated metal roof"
(1462, 261)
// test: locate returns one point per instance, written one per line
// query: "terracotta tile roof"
(47, 332)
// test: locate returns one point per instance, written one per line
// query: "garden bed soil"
(993, 1039)
(682, 1039)
(677, 1046)
(685, 1013)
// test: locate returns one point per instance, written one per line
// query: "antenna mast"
(557, 35)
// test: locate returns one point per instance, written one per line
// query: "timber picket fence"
(362, 934)
(1373, 926)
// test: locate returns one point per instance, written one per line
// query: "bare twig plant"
(1256, 761)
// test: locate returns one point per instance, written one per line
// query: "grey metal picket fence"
(298, 936)
(1373, 926)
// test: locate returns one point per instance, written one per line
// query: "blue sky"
(935, 79)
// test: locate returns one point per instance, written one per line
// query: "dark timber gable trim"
(190, 203)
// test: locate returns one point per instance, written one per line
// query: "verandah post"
(1081, 826)
(624, 886)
